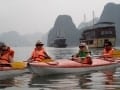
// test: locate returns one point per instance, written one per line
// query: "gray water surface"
(101, 80)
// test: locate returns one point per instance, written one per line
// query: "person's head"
(39, 44)
(83, 46)
(108, 45)
(2, 45)
(106, 40)
(5, 48)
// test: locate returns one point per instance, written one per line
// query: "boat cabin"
(96, 35)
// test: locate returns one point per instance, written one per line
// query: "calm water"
(104, 80)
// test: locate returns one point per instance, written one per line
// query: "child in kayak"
(83, 56)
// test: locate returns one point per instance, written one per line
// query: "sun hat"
(39, 43)
(82, 44)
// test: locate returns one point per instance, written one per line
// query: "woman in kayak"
(39, 54)
(83, 56)
(6, 55)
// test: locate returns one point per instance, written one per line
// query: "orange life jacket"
(38, 55)
(5, 58)
(108, 54)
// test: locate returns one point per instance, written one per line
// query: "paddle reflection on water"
(7, 83)
(109, 76)
(111, 81)
(83, 80)
(102, 80)
(62, 82)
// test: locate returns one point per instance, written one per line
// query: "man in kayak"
(83, 56)
(6, 55)
(108, 51)
(39, 54)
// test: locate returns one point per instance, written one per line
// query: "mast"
(84, 18)
(58, 32)
(93, 14)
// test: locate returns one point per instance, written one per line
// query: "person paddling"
(83, 56)
(39, 53)
(6, 55)
(108, 51)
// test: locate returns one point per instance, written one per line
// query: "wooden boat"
(95, 36)
(17, 68)
(64, 66)
(60, 42)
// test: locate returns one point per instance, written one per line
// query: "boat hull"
(10, 73)
(71, 67)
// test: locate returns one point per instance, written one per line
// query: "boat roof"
(100, 25)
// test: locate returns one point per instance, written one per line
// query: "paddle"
(15, 65)
(19, 64)
(47, 61)
(50, 61)
(116, 53)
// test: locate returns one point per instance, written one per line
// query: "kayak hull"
(71, 67)
(8, 72)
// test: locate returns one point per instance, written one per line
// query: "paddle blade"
(47, 60)
(18, 65)
(116, 53)
(50, 61)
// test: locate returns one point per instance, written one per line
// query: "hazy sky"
(29, 16)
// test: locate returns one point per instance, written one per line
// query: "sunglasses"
(107, 45)
(81, 46)
(39, 44)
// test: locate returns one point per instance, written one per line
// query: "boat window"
(90, 35)
(106, 32)
(90, 42)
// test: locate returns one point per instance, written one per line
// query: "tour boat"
(95, 36)
(65, 66)
(60, 42)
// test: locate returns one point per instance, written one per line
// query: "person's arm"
(11, 55)
(31, 57)
(11, 59)
(77, 54)
(88, 54)
(46, 55)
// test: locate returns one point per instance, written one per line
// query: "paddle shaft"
(107, 59)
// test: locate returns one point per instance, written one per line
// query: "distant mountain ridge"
(111, 13)
(13, 38)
